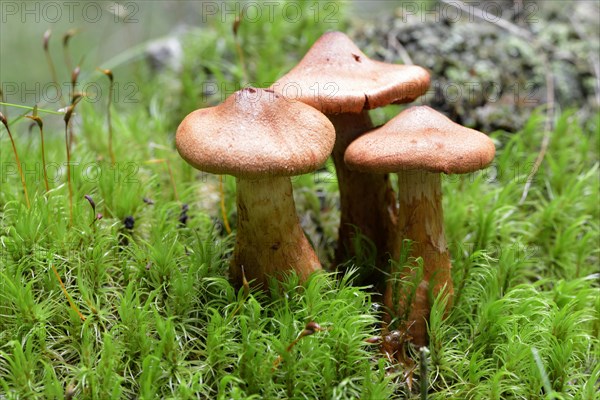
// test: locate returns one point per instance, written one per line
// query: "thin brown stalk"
(74, 77)
(14, 147)
(64, 290)
(168, 164)
(2, 101)
(75, 96)
(308, 330)
(246, 286)
(40, 125)
(66, 39)
(548, 128)
(172, 179)
(111, 153)
(51, 66)
(67, 119)
(238, 46)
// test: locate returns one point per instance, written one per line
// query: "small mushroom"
(338, 79)
(262, 139)
(419, 144)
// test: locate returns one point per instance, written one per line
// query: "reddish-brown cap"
(336, 77)
(420, 138)
(256, 133)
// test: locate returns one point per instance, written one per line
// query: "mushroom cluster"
(338, 79)
(320, 108)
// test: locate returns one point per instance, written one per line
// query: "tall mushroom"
(262, 139)
(419, 144)
(342, 82)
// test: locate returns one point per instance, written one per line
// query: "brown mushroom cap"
(256, 133)
(336, 77)
(420, 138)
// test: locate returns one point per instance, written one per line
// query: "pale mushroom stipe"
(338, 79)
(419, 144)
(262, 139)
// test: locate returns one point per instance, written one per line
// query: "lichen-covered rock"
(489, 77)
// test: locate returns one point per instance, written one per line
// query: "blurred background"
(106, 29)
(491, 62)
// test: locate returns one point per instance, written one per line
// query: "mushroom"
(338, 79)
(262, 139)
(419, 144)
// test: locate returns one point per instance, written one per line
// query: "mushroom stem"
(270, 240)
(367, 201)
(420, 219)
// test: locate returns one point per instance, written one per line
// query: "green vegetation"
(152, 314)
